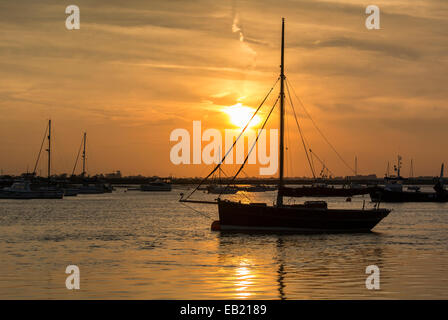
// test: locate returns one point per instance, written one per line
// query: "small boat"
(156, 186)
(70, 192)
(97, 188)
(309, 217)
(219, 189)
(23, 190)
(393, 192)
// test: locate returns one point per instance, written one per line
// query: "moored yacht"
(282, 217)
(23, 190)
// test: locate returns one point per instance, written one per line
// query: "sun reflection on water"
(244, 280)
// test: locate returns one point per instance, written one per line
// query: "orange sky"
(136, 70)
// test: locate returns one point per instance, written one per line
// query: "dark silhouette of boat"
(219, 189)
(96, 188)
(309, 217)
(157, 185)
(31, 188)
(393, 192)
(281, 217)
(86, 186)
(24, 190)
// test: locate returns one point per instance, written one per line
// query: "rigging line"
(312, 159)
(40, 151)
(288, 152)
(225, 176)
(77, 157)
(300, 130)
(244, 172)
(322, 163)
(244, 193)
(197, 211)
(253, 145)
(321, 133)
(236, 140)
(223, 172)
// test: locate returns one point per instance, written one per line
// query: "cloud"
(383, 47)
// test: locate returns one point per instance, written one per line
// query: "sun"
(240, 115)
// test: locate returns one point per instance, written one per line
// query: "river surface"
(135, 245)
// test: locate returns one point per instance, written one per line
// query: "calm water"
(149, 246)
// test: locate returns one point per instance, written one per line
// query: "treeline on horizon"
(138, 179)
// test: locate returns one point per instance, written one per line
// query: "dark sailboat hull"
(381, 195)
(234, 216)
(324, 192)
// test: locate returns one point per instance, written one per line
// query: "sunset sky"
(136, 70)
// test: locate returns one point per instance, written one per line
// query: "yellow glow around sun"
(240, 115)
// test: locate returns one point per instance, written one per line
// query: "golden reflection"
(244, 277)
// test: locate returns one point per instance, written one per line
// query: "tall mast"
(282, 118)
(84, 156)
(49, 149)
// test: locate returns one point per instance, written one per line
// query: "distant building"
(114, 175)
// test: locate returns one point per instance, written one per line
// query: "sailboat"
(25, 189)
(219, 188)
(87, 188)
(311, 216)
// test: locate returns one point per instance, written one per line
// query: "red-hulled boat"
(303, 218)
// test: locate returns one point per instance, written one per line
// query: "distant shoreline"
(7, 180)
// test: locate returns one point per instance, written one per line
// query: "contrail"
(237, 28)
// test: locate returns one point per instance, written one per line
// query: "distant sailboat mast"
(84, 156)
(83, 145)
(49, 149)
